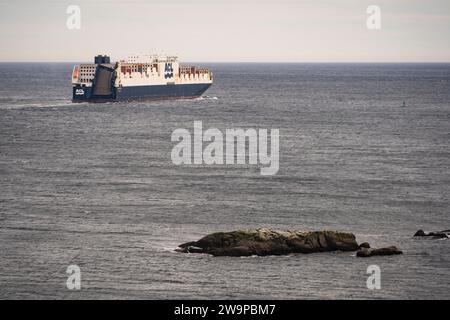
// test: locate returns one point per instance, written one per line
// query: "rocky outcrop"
(264, 242)
(389, 251)
(434, 235)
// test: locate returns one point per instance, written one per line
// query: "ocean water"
(93, 185)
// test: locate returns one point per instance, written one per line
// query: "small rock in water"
(364, 245)
(434, 235)
(389, 251)
(420, 233)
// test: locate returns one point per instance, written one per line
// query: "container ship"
(148, 77)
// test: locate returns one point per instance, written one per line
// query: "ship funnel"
(101, 59)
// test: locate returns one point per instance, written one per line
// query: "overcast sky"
(227, 30)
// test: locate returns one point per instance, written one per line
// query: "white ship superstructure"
(138, 77)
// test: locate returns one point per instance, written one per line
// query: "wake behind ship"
(149, 77)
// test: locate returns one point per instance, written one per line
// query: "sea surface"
(93, 185)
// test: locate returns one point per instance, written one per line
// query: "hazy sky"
(227, 30)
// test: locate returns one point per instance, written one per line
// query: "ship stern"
(81, 94)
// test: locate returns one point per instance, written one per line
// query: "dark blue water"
(94, 184)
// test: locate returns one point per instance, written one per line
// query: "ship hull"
(153, 92)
